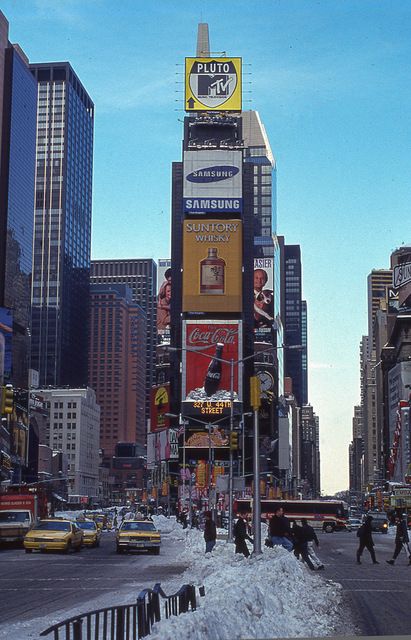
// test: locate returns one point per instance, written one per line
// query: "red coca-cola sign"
(200, 340)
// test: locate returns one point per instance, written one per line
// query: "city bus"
(328, 515)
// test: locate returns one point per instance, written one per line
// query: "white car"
(353, 524)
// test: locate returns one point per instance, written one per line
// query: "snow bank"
(273, 595)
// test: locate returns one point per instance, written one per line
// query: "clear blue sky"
(332, 83)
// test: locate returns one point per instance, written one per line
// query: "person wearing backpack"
(401, 539)
(311, 537)
(364, 533)
(300, 542)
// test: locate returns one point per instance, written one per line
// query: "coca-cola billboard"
(209, 347)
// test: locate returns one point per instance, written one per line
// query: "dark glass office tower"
(18, 151)
(304, 356)
(293, 318)
(61, 260)
(141, 276)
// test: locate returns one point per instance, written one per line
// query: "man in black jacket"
(401, 539)
(279, 529)
(240, 537)
(311, 538)
(364, 533)
(210, 532)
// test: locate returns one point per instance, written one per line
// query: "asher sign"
(213, 84)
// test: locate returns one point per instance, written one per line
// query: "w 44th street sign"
(213, 84)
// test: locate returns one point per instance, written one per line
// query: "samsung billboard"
(212, 182)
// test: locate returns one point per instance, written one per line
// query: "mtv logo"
(213, 86)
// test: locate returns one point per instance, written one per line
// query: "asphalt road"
(43, 588)
(379, 596)
(46, 585)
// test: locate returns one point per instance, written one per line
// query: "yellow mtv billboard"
(213, 84)
(212, 265)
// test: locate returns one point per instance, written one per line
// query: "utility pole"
(255, 400)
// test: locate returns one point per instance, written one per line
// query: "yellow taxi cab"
(91, 532)
(54, 535)
(138, 534)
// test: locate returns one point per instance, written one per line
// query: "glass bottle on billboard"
(212, 274)
(213, 375)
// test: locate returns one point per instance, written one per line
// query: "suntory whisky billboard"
(212, 182)
(212, 263)
(213, 84)
(208, 348)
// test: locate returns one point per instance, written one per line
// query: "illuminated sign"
(212, 174)
(212, 265)
(208, 348)
(160, 405)
(212, 182)
(213, 84)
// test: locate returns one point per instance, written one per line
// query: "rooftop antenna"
(203, 41)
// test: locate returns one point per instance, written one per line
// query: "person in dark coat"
(210, 532)
(301, 544)
(240, 537)
(311, 538)
(279, 529)
(364, 533)
(401, 540)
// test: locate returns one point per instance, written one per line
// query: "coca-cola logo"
(224, 335)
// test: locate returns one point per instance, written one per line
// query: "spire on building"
(203, 41)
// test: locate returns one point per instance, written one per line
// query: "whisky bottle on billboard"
(212, 273)
(213, 375)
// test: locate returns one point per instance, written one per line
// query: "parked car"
(138, 534)
(91, 533)
(354, 524)
(54, 535)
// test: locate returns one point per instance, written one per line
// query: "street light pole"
(255, 393)
(230, 470)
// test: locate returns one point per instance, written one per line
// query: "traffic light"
(234, 440)
(255, 392)
(7, 399)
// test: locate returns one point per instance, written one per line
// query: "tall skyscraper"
(356, 452)
(377, 282)
(310, 459)
(117, 364)
(304, 357)
(62, 237)
(141, 276)
(18, 100)
(293, 318)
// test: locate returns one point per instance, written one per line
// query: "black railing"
(129, 621)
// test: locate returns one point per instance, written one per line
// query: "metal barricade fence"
(126, 622)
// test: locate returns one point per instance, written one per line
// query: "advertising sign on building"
(6, 332)
(207, 386)
(399, 384)
(160, 405)
(392, 300)
(161, 446)
(217, 438)
(212, 182)
(213, 84)
(212, 265)
(164, 296)
(402, 282)
(263, 293)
